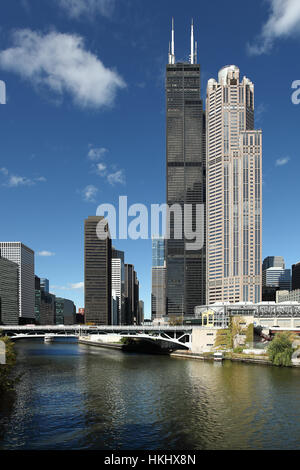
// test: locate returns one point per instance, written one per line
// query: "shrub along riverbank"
(6, 380)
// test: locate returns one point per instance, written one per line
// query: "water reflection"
(78, 397)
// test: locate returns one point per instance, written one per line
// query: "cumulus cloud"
(116, 178)
(77, 286)
(96, 154)
(101, 169)
(261, 109)
(77, 8)
(61, 63)
(282, 161)
(283, 22)
(13, 181)
(89, 193)
(46, 254)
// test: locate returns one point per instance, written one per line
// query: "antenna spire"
(193, 45)
(172, 52)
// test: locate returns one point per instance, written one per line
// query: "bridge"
(169, 337)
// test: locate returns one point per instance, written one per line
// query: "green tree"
(175, 321)
(280, 350)
(223, 339)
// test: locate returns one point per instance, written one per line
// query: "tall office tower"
(45, 285)
(24, 258)
(185, 126)
(158, 297)
(129, 294)
(9, 292)
(296, 276)
(118, 282)
(141, 312)
(136, 299)
(38, 299)
(97, 273)
(114, 308)
(234, 190)
(47, 309)
(273, 262)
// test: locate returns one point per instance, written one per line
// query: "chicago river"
(73, 396)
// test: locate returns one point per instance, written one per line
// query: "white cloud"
(77, 286)
(78, 8)
(46, 254)
(89, 193)
(282, 161)
(96, 154)
(116, 178)
(13, 181)
(61, 63)
(261, 109)
(101, 169)
(283, 22)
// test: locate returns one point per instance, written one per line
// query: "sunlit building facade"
(234, 190)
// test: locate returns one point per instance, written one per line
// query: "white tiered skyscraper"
(234, 190)
(24, 258)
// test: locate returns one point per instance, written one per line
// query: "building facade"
(158, 295)
(129, 294)
(234, 190)
(288, 296)
(47, 309)
(45, 285)
(9, 292)
(24, 258)
(296, 276)
(273, 262)
(65, 311)
(97, 273)
(277, 277)
(118, 282)
(136, 300)
(141, 312)
(185, 135)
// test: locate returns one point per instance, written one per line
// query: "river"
(73, 396)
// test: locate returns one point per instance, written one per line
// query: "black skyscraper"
(185, 181)
(97, 269)
(296, 276)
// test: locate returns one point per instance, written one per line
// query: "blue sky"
(85, 122)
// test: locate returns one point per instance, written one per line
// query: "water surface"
(79, 397)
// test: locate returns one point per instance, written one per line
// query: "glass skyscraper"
(185, 270)
(158, 252)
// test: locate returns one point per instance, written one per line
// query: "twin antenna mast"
(194, 46)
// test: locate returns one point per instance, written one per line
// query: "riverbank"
(7, 363)
(233, 357)
(263, 360)
(99, 344)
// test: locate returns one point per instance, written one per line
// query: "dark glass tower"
(186, 270)
(97, 269)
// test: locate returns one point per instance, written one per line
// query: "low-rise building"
(65, 311)
(288, 296)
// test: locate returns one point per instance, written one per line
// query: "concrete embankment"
(97, 342)
(246, 360)
(190, 355)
